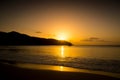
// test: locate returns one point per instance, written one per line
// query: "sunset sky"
(80, 22)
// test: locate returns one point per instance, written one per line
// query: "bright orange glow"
(61, 68)
(62, 51)
(61, 36)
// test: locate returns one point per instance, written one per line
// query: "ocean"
(98, 58)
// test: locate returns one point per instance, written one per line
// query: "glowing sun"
(61, 37)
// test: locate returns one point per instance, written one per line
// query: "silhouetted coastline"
(16, 38)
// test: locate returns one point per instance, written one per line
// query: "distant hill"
(16, 38)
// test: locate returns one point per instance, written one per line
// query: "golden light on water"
(61, 68)
(62, 52)
(47, 67)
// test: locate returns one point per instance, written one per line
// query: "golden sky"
(91, 22)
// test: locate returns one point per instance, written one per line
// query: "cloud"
(38, 32)
(95, 39)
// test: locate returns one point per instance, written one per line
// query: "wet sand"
(8, 71)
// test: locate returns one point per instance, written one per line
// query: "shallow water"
(64, 69)
(83, 57)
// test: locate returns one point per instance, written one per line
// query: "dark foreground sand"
(8, 72)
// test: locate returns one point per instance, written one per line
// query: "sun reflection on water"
(46, 67)
(61, 68)
(62, 52)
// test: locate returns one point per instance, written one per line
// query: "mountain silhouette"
(16, 38)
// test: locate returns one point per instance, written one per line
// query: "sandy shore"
(17, 73)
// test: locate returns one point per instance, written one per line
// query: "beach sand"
(9, 72)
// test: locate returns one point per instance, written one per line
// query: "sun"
(62, 36)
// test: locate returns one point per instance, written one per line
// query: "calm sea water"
(98, 58)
